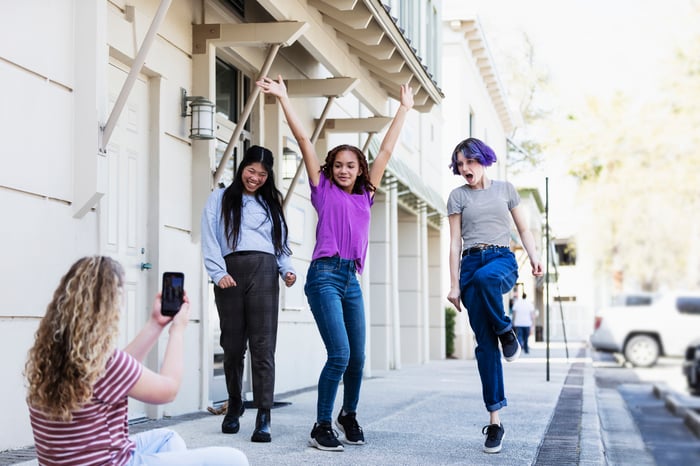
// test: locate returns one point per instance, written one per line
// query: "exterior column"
(204, 84)
(380, 316)
(394, 274)
(424, 285)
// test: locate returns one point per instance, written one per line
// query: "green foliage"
(636, 160)
(450, 319)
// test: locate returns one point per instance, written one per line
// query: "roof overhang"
(359, 38)
(474, 35)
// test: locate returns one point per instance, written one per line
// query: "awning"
(365, 32)
(474, 35)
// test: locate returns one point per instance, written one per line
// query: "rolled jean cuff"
(497, 406)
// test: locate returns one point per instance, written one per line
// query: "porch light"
(290, 159)
(201, 113)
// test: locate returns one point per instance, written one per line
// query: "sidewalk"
(433, 414)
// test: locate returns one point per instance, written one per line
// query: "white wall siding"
(56, 60)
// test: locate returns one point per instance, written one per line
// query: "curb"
(682, 406)
(692, 420)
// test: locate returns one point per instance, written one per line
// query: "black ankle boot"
(231, 424)
(262, 427)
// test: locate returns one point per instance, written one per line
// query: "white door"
(122, 211)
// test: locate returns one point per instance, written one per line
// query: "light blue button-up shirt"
(255, 235)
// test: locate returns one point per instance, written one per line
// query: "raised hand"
(270, 86)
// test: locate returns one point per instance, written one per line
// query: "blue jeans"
(484, 278)
(164, 447)
(335, 298)
(523, 337)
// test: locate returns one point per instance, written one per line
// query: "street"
(629, 392)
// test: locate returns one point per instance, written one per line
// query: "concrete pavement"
(428, 414)
(433, 414)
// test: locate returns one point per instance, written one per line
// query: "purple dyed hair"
(473, 148)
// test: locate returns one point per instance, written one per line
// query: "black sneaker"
(510, 345)
(494, 437)
(350, 428)
(324, 437)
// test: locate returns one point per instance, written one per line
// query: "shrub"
(450, 317)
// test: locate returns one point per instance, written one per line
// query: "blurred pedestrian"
(79, 382)
(244, 245)
(523, 319)
(480, 213)
(342, 192)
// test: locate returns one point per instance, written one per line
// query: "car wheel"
(642, 350)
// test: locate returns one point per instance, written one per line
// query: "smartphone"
(173, 293)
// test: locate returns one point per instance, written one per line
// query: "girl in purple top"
(342, 192)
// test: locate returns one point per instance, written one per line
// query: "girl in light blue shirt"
(244, 246)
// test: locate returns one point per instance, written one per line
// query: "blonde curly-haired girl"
(79, 382)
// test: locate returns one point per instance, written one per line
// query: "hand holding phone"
(173, 293)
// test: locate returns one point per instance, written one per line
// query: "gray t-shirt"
(485, 212)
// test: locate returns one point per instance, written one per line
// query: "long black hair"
(266, 195)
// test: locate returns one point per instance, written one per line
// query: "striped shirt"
(99, 432)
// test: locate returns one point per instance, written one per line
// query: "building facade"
(98, 159)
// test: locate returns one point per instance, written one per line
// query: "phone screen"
(173, 292)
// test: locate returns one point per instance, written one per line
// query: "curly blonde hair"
(76, 337)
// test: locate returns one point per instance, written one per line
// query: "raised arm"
(161, 387)
(308, 152)
(376, 171)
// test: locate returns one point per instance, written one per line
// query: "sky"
(588, 48)
(591, 46)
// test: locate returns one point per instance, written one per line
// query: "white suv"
(643, 333)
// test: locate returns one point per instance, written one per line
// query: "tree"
(527, 84)
(637, 164)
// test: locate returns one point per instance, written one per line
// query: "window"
(632, 299)
(566, 253)
(688, 305)
(232, 92)
(433, 41)
(421, 24)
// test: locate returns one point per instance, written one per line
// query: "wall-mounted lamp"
(290, 157)
(202, 113)
(290, 160)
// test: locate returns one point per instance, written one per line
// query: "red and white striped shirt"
(99, 432)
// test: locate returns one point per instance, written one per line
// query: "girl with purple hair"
(483, 268)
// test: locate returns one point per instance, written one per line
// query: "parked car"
(642, 333)
(691, 366)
